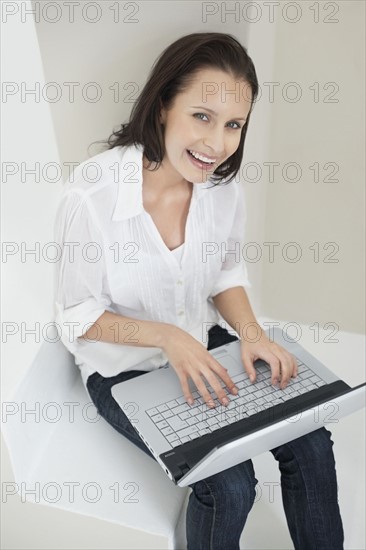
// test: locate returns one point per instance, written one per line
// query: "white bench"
(65, 442)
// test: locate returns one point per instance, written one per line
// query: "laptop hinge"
(176, 463)
(184, 468)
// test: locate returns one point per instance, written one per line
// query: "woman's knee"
(234, 487)
(318, 444)
(313, 448)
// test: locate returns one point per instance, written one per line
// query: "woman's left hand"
(283, 364)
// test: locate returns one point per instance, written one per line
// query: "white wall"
(61, 132)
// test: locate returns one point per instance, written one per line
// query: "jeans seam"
(306, 490)
(214, 514)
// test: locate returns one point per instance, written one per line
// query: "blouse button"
(181, 312)
(179, 282)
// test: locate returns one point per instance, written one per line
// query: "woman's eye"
(198, 114)
(237, 125)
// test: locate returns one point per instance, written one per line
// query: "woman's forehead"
(215, 90)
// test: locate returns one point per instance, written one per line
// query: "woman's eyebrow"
(213, 112)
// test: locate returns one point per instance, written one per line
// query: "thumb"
(248, 365)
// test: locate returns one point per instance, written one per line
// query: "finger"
(275, 365)
(295, 369)
(185, 387)
(223, 374)
(286, 367)
(248, 366)
(201, 387)
(216, 386)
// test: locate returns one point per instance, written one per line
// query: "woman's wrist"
(165, 333)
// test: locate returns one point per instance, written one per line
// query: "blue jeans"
(219, 505)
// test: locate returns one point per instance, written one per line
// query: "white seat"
(48, 455)
(65, 441)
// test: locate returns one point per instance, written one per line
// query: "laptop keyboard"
(179, 422)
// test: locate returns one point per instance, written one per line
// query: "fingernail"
(225, 400)
(251, 377)
(190, 401)
(235, 390)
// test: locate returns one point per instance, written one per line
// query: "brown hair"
(170, 75)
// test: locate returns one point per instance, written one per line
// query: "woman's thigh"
(100, 388)
(100, 392)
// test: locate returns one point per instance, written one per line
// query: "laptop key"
(187, 431)
(305, 374)
(202, 425)
(176, 423)
(167, 431)
(162, 408)
(172, 403)
(167, 414)
(153, 411)
(212, 421)
(157, 417)
(185, 415)
(215, 426)
(162, 424)
(181, 400)
(181, 408)
(172, 437)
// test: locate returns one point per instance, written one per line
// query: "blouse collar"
(129, 200)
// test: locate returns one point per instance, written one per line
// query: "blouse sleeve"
(234, 270)
(79, 284)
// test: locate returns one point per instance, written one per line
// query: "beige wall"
(308, 212)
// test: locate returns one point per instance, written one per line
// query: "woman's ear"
(162, 113)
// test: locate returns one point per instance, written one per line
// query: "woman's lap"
(313, 450)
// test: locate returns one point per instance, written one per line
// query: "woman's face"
(206, 119)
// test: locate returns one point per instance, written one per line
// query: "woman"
(151, 201)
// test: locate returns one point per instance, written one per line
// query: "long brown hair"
(170, 75)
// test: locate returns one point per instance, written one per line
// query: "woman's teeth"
(200, 158)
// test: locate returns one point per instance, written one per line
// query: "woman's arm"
(117, 329)
(233, 305)
(188, 357)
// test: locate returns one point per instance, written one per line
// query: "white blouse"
(114, 259)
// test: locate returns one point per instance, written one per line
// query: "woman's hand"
(283, 364)
(190, 359)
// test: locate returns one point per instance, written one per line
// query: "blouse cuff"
(74, 321)
(230, 279)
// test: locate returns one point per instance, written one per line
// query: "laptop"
(193, 442)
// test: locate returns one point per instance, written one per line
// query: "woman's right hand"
(190, 359)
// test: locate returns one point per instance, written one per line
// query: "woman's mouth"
(199, 163)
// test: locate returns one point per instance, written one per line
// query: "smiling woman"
(219, 80)
(186, 130)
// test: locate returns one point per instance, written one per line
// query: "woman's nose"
(215, 141)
